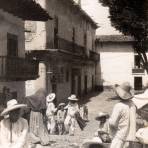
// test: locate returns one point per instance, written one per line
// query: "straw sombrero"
(141, 99)
(50, 97)
(102, 114)
(61, 104)
(123, 91)
(73, 98)
(12, 105)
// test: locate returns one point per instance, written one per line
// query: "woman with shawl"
(37, 105)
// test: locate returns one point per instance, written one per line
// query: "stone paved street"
(99, 102)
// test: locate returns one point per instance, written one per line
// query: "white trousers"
(70, 124)
(51, 124)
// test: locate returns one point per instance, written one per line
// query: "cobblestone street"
(97, 103)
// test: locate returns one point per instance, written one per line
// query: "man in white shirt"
(123, 119)
(13, 128)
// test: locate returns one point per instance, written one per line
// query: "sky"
(100, 15)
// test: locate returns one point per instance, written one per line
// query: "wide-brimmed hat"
(50, 97)
(73, 98)
(141, 100)
(61, 104)
(123, 91)
(12, 105)
(101, 114)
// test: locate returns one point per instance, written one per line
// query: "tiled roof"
(114, 38)
(25, 9)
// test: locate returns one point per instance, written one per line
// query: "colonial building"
(15, 69)
(119, 62)
(65, 47)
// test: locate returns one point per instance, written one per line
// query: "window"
(137, 61)
(85, 40)
(12, 45)
(138, 83)
(73, 37)
(56, 24)
(67, 75)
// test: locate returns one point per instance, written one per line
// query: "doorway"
(138, 83)
(85, 84)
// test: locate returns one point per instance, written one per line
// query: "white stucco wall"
(116, 63)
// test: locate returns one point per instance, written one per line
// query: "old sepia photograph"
(73, 73)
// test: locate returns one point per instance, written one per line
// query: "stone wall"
(14, 25)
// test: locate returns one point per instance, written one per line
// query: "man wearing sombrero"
(13, 128)
(72, 109)
(123, 118)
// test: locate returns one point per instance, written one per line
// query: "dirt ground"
(96, 102)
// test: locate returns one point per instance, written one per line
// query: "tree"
(131, 18)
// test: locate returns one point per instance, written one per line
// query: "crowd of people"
(126, 126)
(31, 123)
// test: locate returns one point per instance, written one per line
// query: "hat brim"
(124, 95)
(73, 99)
(50, 100)
(139, 103)
(141, 96)
(61, 104)
(17, 106)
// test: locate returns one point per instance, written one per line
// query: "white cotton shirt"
(50, 109)
(123, 121)
(19, 133)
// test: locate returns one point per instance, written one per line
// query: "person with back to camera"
(123, 119)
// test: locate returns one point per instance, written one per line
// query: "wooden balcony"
(136, 70)
(70, 46)
(17, 69)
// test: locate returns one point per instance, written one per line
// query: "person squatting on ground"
(123, 119)
(70, 120)
(61, 117)
(13, 128)
(103, 131)
(50, 113)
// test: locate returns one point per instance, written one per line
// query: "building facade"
(15, 69)
(119, 62)
(65, 47)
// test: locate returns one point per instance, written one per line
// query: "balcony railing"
(137, 70)
(17, 69)
(70, 46)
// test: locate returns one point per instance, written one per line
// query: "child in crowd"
(103, 130)
(72, 109)
(60, 118)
